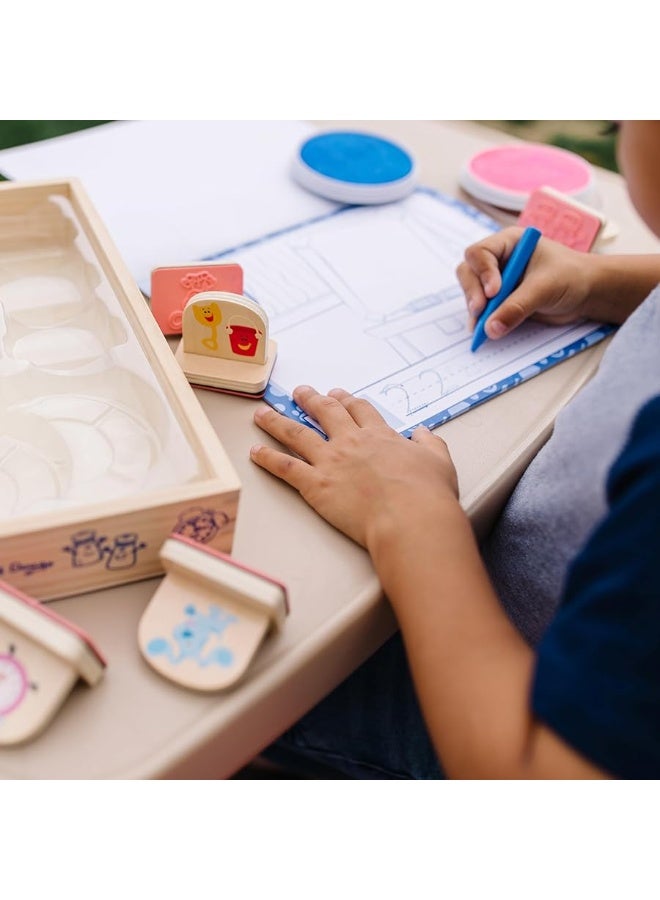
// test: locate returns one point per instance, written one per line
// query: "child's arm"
(398, 498)
(560, 285)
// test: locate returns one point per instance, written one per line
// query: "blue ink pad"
(354, 167)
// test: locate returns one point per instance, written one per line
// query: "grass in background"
(587, 138)
(14, 132)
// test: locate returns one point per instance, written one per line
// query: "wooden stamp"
(225, 344)
(563, 219)
(42, 655)
(208, 616)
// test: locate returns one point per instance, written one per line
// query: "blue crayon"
(511, 276)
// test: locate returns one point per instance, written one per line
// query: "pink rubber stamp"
(173, 286)
(562, 219)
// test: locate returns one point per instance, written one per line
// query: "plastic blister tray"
(104, 449)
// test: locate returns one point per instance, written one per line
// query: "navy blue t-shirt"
(597, 681)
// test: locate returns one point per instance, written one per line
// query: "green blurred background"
(589, 138)
(593, 139)
(24, 131)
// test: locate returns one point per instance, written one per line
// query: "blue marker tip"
(511, 275)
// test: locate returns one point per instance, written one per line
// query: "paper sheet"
(175, 191)
(367, 299)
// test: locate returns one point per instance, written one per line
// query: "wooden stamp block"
(208, 616)
(41, 657)
(225, 344)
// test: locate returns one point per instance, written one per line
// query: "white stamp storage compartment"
(101, 434)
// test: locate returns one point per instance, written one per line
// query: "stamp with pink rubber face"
(173, 286)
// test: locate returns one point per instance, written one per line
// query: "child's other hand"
(366, 478)
(553, 290)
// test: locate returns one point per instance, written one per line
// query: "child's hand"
(365, 479)
(553, 290)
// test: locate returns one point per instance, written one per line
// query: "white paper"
(176, 191)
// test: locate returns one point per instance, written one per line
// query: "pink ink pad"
(506, 175)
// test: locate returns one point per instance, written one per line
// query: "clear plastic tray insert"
(83, 415)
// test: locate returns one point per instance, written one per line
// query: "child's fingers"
(421, 435)
(520, 305)
(300, 438)
(295, 472)
(480, 272)
(473, 290)
(328, 411)
(361, 410)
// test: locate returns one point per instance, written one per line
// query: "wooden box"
(104, 448)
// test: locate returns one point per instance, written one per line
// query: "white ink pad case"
(354, 167)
